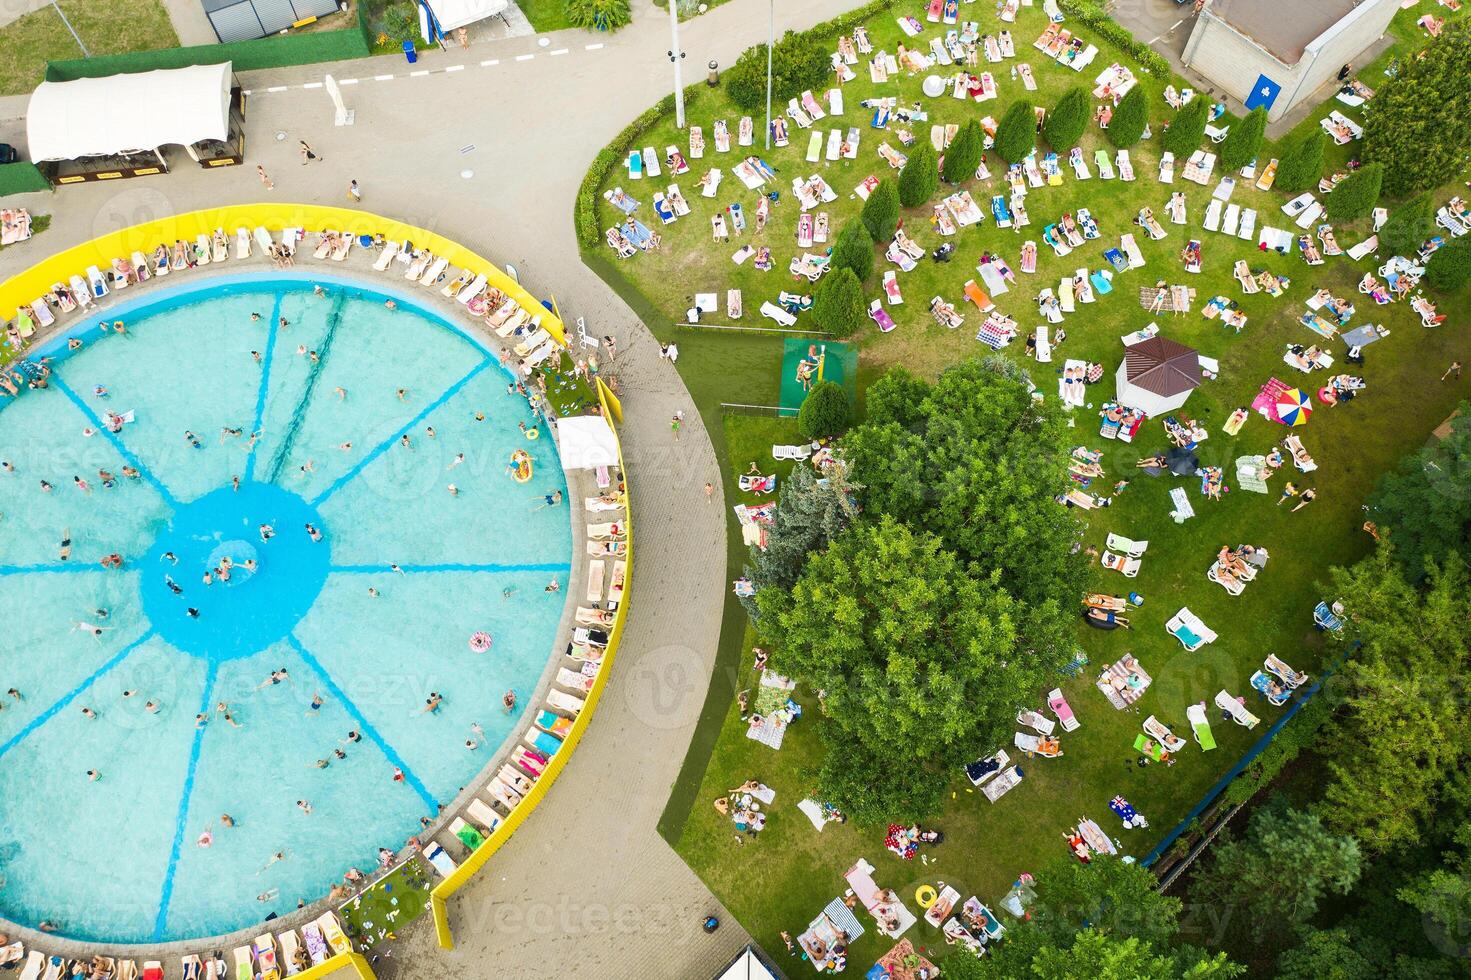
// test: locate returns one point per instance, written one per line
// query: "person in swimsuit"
(66, 544)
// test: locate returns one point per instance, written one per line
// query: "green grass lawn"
(379, 912)
(783, 878)
(546, 15)
(105, 26)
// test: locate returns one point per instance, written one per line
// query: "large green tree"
(837, 303)
(1090, 955)
(1417, 124)
(1187, 129)
(1356, 195)
(974, 459)
(1443, 896)
(853, 250)
(1408, 227)
(1244, 141)
(1286, 863)
(918, 652)
(1130, 119)
(964, 153)
(824, 411)
(1067, 120)
(1401, 736)
(1016, 134)
(880, 214)
(1450, 267)
(1328, 955)
(1425, 502)
(1302, 163)
(920, 177)
(809, 513)
(1111, 896)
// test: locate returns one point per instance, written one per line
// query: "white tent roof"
(747, 967)
(458, 13)
(128, 113)
(586, 442)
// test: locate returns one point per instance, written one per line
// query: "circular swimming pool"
(310, 496)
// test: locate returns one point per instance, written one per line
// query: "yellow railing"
(341, 963)
(20, 289)
(482, 854)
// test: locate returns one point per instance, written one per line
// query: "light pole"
(69, 27)
(676, 56)
(770, 39)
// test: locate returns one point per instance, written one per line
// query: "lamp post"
(770, 39)
(73, 30)
(676, 56)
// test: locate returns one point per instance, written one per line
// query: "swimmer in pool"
(459, 458)
(316, 705)
(207, 838)
(92, 628)
(303, 806)
(405, 441)
(192, 439)
(341, 393)
(269, 896)
(345, 446)
(66, 543)
(173, 586)
(266, 533)
(313, 533)
(432, 702)
(169, 556)
(508, 701)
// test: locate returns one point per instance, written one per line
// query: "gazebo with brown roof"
(1157, 375)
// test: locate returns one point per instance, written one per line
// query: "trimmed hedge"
(1450, 267)
(1302, 163)
(1130, 119)
(1187, 128)
(1096, 16)
(838, 306)
(964, 153)
(1067, 120)
(21, 178)
(1016, 136)
(1356, 195)
(920, 177)
(266, 52)
(1408, 227)
(880, 214)
(824, 411)
(853, 250)
(1244, 141)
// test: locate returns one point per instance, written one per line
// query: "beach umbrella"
(1182, 462)
(1293, 407)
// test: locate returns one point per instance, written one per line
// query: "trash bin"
(713, 79)
(410, 53)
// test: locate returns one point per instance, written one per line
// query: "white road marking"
(312, 85)
(382, 78)
(419, 74)
(277, 88)
(557, 52)
(454, 68)
(348, 81)
(592, 47)
(525, 57)
(490, 63)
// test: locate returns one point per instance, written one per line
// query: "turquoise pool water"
(118, 858)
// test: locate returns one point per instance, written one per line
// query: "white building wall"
(1233, 61)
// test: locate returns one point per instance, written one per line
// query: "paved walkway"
(587, 887)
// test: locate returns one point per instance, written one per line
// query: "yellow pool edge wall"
(438, 898)
(19, 290)
(342, 964)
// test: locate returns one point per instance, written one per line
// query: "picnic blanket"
(843, 918)
(1361, 336)
(1249, 471)
(903, 963)
(769, 731)
(1266, 398)
(1183, 510)
(815, 813)
(1124, 682)
(1178, 300)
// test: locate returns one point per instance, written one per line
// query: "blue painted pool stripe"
(363, 724)
(265, 384)
(551, 566)
(181, 821)
(383, 446)
(73, 694)
(117, 443)
(64, 566)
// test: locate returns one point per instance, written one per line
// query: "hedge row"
(1097, 18)
(587, 218)
(266, 52)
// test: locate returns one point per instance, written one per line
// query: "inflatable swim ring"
(925, 896)
(480, 641)
(533, 433)
(521, 465)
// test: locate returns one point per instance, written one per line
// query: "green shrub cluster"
(1356, 195)
(1450, 266)
(837, 305)
(599, 15)
(587, 213)
(1067, 120)
(880, 214)
(853, 251)
(920, 177)
(964, 153)
(824, 411)
(1130, 119)
(798, 62)
(1016, 135)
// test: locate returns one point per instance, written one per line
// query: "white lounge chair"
(1128, 546)
(1236, 709)
(1186, 627)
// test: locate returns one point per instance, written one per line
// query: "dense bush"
(853, 251)
(1356, 195)
(919, 178)
(1187, 129)
(587, 213)
(837, 304)
(963, 154)
(1244, 141)
(1068, 119)
(1130, 119)
(1408, 227)
(1417, 124)
(1097, 17)
(599, 15)
(1450, 266)
(824, 411)
(1302, 164)
(880, 214)
(798, 62)
(1016, 135)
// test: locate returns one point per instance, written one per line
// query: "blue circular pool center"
(274, 574)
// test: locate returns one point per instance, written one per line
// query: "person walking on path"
(674, 424)
(1455, 369)
(307, 153)
(1308, 496)
(260, 172)
(709, 491)
(354, 193)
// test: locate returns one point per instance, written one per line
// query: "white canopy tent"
(586, 442)
(128, 113)
(451, 14)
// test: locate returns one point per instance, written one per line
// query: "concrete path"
(190, 22)
(587, 888)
